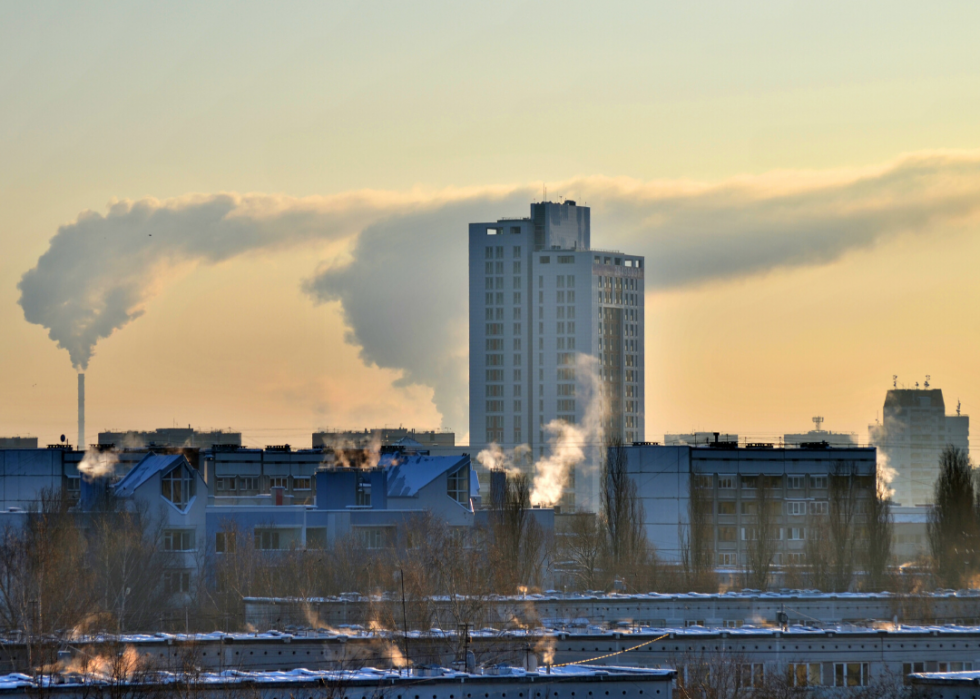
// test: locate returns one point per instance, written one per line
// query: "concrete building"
(169, 437)
(553, 323)
(382, 436)
(910, 437)
(818, 435)
(797, 481)
(18, 442)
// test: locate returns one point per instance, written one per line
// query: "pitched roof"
(409, 474)
(147, 467)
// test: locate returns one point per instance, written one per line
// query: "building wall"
(911, 436)
(18, 442)
(663, 474)
(383, 436)
(540, 301)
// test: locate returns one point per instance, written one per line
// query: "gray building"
(18, 442)
(553, 324)
(815, 436)
(169, 437)
(382, 436)
(911, 436)
(796, 480)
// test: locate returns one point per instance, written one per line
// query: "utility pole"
(401, 575)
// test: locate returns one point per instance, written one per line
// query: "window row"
(254, 484)
(497, 298)
(753, 482)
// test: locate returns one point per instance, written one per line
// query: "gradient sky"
(452, 110)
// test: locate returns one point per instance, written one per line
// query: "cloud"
(403, 289)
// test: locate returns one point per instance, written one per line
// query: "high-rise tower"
(540, 299)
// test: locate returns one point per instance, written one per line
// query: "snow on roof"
(968, 677)
(367, 674)
(148, 466)
(410, 474)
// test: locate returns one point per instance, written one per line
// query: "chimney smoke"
(81, 412)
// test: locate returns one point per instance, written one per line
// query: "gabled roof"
(412, 473)
(147, 467)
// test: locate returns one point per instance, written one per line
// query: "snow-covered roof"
(148, 466)
(327, 677)
(412, 473)
(966, 678)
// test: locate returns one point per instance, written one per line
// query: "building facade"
(730, 478)
(554, 327)
(169, 437)
(382, 436)
(911, 436)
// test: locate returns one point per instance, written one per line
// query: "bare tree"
(622, 512)
(842, 535)
(879, 537)
(697, 542)
(953, 522)
(582, 547)
(761, 544)
(517, 540)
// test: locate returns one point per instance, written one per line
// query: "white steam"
(570, 444)
(98, 464)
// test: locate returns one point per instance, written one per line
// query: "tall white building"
(913, 432)
(550, 319)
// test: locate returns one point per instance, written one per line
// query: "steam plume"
(406, 274)
(96, 464)
(569, 443)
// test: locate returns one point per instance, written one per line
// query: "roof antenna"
(928, 378)
(894, 380)
(544, 192)
(957, 407)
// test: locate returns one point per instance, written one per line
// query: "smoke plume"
(403, 287)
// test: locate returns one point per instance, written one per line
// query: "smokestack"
(81, 412)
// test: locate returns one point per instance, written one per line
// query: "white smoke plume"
(571, 444)
(98, 464)
(494, 458)
(405, 275)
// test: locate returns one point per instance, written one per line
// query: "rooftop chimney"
(81, 412)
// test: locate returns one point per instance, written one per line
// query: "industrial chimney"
(81, 412)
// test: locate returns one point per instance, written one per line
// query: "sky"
(253, 215)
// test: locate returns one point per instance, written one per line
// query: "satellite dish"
(62, 439)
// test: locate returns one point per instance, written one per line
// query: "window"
(495, 390)
(301, 483)
(374, 537)
(362, 491)
(495, 406)
(795, 482)
(726, 533)
(545, 259)
(517, 251)
(566, 389)
(495, 360)
(750, 482)
(566, 259)
(804, 674)
(796, 508)
(850, 674)
(248, 483)
(176, 581)
(726, 508)
(178, 540)
(820, 507)
(726, 482)
(818, 481)
(74, 486)
(796, 533)
(566, 405)
(458, 485)
(750, 675)
(566, 374)
(267, 540)
(749, 508)
(492, 231)
(495, 344)
(727, 559)
(224, 542)
(794, 558)
(177, 486)
(517, 267)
